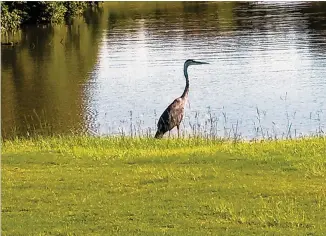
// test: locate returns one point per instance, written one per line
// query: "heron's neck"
(186, 91)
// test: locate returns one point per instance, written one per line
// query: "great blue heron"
(173, 114)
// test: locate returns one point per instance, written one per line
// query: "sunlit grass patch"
(195, 186)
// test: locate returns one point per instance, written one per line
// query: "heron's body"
(173, 114)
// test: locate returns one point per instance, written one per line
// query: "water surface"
(116, 70)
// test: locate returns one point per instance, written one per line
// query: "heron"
(173, 114)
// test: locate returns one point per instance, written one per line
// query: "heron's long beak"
(200, 62)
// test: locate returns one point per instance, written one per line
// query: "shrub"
(13, 14)
(10, 21)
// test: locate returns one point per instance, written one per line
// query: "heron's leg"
(178, 127)
(169, 133)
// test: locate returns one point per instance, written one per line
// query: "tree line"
(15, 14)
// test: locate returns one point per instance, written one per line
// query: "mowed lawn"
(125, 186)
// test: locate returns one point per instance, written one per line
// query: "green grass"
(124, 186)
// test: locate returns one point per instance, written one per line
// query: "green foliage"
(10, 20)
(52, 12)
(13, 14)
(74, 8)
(125, 186)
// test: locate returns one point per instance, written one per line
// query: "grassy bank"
(123, 186)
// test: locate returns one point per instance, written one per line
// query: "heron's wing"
(173, 114)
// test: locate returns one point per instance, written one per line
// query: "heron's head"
(193, 62)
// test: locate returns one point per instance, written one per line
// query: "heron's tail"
(159, 134)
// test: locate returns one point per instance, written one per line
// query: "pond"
(114, 70)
